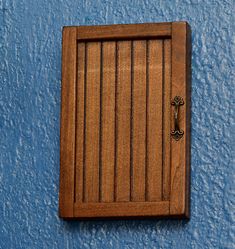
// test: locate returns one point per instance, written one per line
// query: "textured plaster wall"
(30, 74)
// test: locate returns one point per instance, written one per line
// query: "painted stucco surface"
(30, 88)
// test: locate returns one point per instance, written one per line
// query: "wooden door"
(119, 154)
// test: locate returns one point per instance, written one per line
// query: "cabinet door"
(125, 121)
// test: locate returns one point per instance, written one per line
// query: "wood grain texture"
(80, 102)
(118, 158)
(121, 209)
(67, 131)
(123, 121)
(123, 31)
(179, 164)
(166, 128)
(154, 120)
(138, 121)
(108, 121)
(92, 132)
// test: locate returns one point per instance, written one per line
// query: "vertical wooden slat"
(92, 135)
(167, 120)
(154, 120)
(80, 121)
(108, 122)
(179, 149)
(139, 121)
(123, 114)
(67, 132)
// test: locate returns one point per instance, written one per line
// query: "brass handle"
(177, 134)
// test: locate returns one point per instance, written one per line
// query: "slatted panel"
(123, 121)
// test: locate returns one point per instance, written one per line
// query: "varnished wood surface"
(118, 158)
(179, 197)
(154, 120)
(108, 91)
(92, 123)
(121, 209)
(120, 130)
(138, 151)
(67, 131)
(166, 112)
(123, 122)
(80, 121)
(123, 31)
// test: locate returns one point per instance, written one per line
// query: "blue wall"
(30, 74)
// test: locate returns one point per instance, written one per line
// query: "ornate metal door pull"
(177, 134)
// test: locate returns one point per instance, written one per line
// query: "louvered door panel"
(119, 155)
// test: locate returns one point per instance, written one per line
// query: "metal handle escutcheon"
(177, 134)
